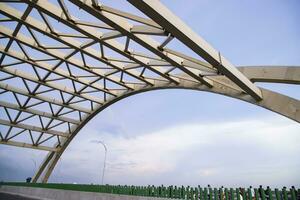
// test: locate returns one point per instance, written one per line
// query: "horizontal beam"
(272, 74)
(30, 146)
(33, 128)
(192, 62)
(37, 112)
(130, 16)
(140, 29)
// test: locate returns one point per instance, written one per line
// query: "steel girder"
(63, 62)
(161, 15)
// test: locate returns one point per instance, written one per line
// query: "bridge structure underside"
(63, 62)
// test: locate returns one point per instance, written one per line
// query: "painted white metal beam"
(53, 11)
(13, 89)
(124, 27)
(165, 18)
(33, 128)
(272, 74)
(26, 145)
(38, 112)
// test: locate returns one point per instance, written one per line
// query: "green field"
(203, 193)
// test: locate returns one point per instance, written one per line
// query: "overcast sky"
(186, 137)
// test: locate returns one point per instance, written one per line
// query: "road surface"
(5, 196)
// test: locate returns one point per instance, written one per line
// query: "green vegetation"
(206, 193)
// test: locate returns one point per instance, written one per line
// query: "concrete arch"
(273, 101)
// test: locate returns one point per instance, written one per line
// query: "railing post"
(221, 193)
(244, 193)
(249, 194)
(201, 193)
(231, 194)
(210, 193)
(226, 194)
(262, 193)
(237, 191)
(293, 193)
(270, 193)
(285, 196)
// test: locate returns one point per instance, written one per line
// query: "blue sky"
(186, 137)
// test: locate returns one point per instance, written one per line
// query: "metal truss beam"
(13, 89)
(49, 68)
(57, 14)
(125, 28)
(42, 28)
(33, 128)
(24, 75)
(59, 55)
(165, 18)
(25, 145)
(38, 112)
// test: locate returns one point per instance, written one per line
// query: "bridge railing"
(177, 192)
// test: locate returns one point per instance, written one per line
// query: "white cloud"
(206, 172)
(255, 152)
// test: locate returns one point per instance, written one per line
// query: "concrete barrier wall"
(55, 194)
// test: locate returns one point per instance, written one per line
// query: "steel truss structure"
(62, 62)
